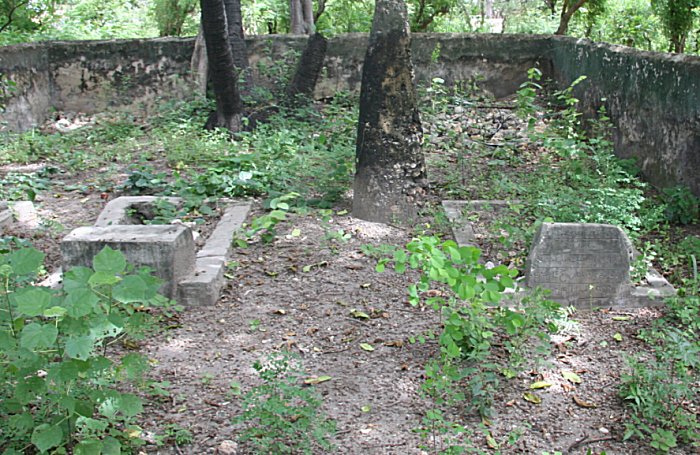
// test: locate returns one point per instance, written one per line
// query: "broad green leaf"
(111, 446)
(80, 302)
(32, 301)
(109, 261)
(46, 436)
(133, 366)
(21, 423)
(109, 408)
(367, 347)
(38, 336)
(621, 318)
(67, 403)
(358, 314)
(93, 425)
(571, 376)
(532, 398)
(57, 312)
(617, 336)
(132, 289)
(25, 261)
(88, 447)
(540, 385)
(80, 347)
(130, 405)
(27, 389)
(316, 379)
(76, 278)
(103, 278)
(104, 328)
(7, 341)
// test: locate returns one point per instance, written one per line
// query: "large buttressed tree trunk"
(221, 67)
(390, 179)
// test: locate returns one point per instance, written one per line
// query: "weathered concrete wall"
(98, 76)
(653, 100)
(498, 63)
(28, 67)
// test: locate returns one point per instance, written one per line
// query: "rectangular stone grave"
(585, 265)
(167, 249)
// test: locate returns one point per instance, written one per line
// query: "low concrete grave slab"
(192, 278)
(204, 285)
(168, 249)
(587, 265)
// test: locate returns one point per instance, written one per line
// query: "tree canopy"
(629, 22)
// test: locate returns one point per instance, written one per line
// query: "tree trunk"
(301, 17)
(199, 66)
(390, 179)
(221, 67)
(567, 11)
(310, 64)
(236, 37)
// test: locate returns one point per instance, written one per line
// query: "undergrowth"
(62, 389)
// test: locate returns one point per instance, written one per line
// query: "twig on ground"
(585, 441)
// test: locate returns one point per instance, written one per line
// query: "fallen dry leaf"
(584, 404)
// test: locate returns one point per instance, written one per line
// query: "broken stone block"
(167, 249)
(585, 265)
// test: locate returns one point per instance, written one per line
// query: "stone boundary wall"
(653, 99)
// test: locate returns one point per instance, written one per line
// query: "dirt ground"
(299, 294)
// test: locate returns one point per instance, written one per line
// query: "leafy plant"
(60, 388)
(143, 179)
(281, 416)
(682, 206)
(18, 186)
(264, 225)
(661, 387)
(466, 295)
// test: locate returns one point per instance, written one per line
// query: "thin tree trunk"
(234, 21)
(310, 64)
(222, 67)
(567, 11)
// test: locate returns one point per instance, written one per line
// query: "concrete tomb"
(190, 277)
(588, 265)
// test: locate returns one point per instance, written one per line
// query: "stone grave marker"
(585, 265)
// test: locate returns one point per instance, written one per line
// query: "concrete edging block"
(204, 285)
(167, 249)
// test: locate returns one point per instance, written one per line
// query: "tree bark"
(301, 17)
(567, 11)
(199, 66)
(310, 64)
(236, 37)
(390, 179)
(221, 67)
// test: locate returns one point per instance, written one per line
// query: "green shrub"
(59, 386)
(280, 415)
